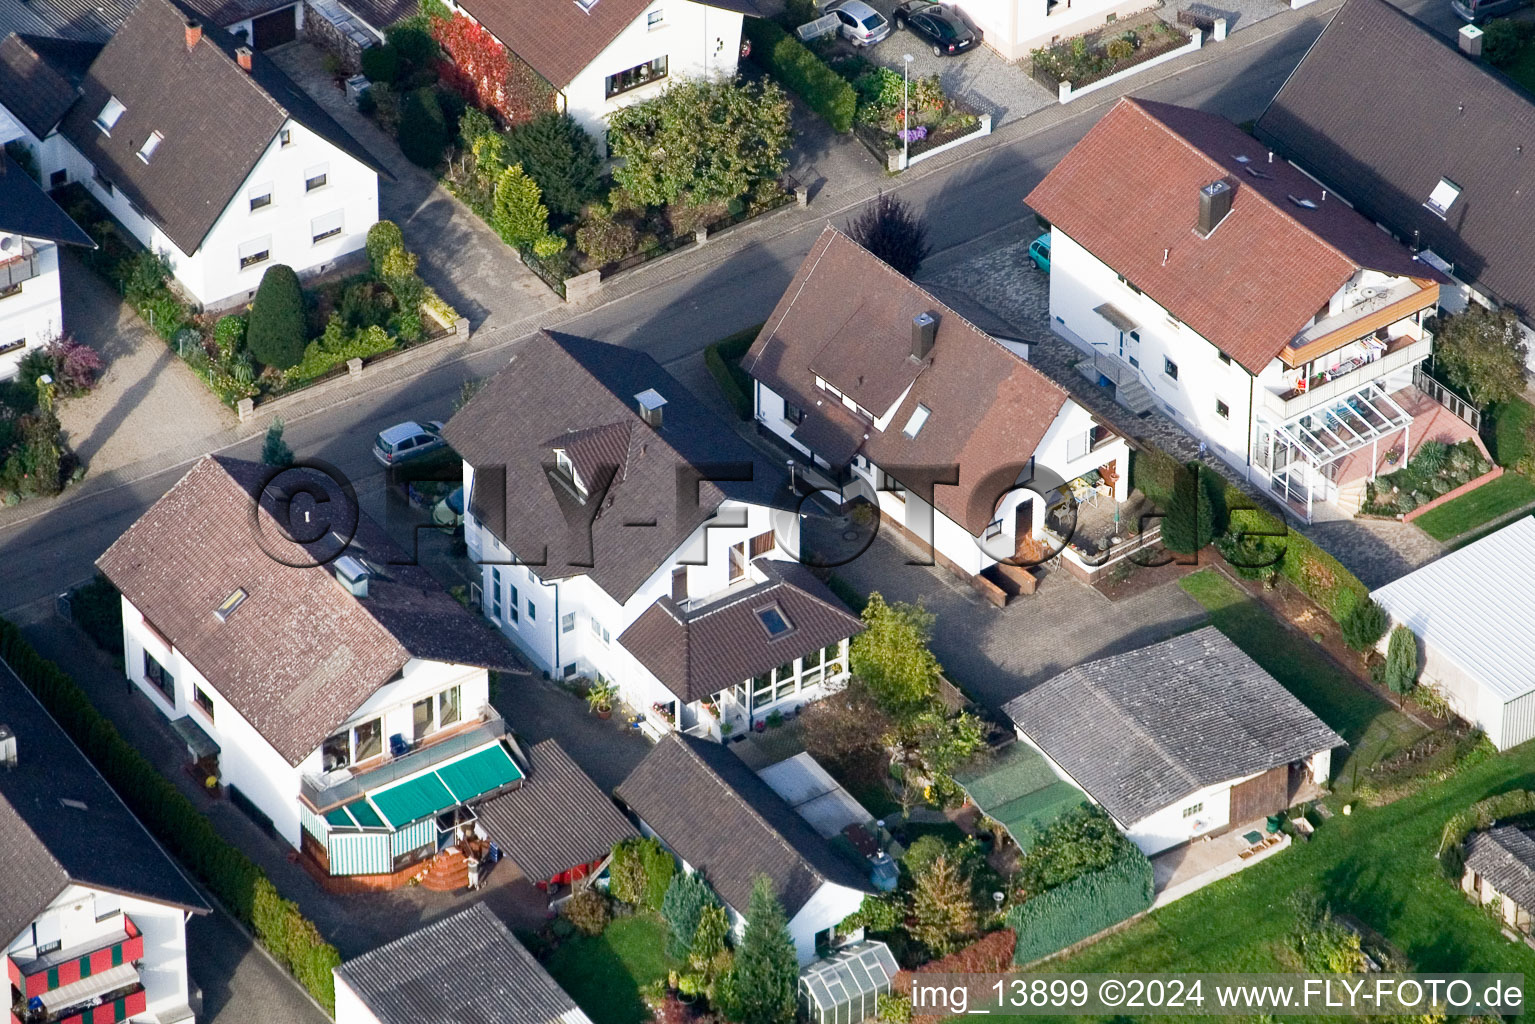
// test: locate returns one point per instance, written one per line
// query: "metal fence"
(1439, 392)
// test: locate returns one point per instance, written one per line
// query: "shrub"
(890, 230)
(1081, 907)
(990, 954)
(423, 131)
(787, 60)
(682, 909)
(605, 240)
(1192, 517)
(642, 871)
(1119, 49)
(75, 365)
(557, 153)
(275, 333)
(412, 40)
(335, 347)
(384, 237)
(1401, 671)
(1079, 842)
(1503, 40)
(274, 450)
(1365, 625)
(1430, 457)
(518, 215)
(229, 334)
(588, 910)
(381, 63)
(473, 125)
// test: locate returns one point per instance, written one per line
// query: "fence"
(1439, 392)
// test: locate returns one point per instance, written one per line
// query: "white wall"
(350, 1008)
(1014, 27)
(35, 315)
(826, 909)
(1169, 827)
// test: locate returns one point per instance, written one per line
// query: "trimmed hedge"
(234, 879)
(723, 359)
(789, 61)
(1082, 907)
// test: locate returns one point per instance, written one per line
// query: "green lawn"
(1509, 492)
(604, 974)
(1371, 727)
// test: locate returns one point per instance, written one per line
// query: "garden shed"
(1470, 611)
(844, 988)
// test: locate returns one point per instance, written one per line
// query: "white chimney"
(652, 407)
(7, 746)
(352, 574)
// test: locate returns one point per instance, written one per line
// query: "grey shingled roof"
(557, 819)
(217, 120)
(716, 814)
(467, 968)
(45, 845)
(1505, 856)
(1373, 152)
(704, 650)
(301, 654)
(1141, 730)
(40, 77)
(559, 389)
(26, 209)
(96, 20)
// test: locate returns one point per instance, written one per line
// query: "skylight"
(74, 805)
(109, 114)
(1305, 204)
(233, 601)
(1443, 197)
(152, 143)
(773, 621)
(918, 418)
(1239, 158)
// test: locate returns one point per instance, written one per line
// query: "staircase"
(1128, 389)
(1132, 394)
(449, 872)
(1351, 496)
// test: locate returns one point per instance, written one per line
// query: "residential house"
(93, 912)
(1470, 611)
(1500, 868)
(722, 821)
(262, 24)
(337, 693)
(894, 398)
(32, 228)
(1182, 739)
(467, 967)
(1015, 27)
(602, 55)
(1228, 290)
(206, 153)
(624, 533)
(1456, 202)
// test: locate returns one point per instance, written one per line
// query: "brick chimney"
(243, 57)
(194, 32)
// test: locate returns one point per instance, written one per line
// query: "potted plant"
(600, 698)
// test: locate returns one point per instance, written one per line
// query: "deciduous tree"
(1482, 353)
(889, 229)
(941, 910)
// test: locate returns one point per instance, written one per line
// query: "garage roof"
(1473, 606)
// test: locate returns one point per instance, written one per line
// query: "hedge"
(1082, 907)
(723, 359)
(789, 61)
(234, 879)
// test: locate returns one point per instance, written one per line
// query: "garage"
(274, 29)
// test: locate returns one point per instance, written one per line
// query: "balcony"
(113, 1008)
(64, 967)
(22, 266)
(1401, 352)
(1361, 320)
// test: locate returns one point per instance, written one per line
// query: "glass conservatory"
(844, 988)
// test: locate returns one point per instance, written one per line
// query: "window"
(567, 622)
(58, 179)
(532, 612)
(336, 752)
(833, 656)
(495, 594)
(643, 74)
(513, 612)
(9, 290)
(993, 528)
(737, 562)
(762, 689)
(315, 177)
(569, 670)
(152, 143)
(422, 724)
(450, 706)
(599, 631)
(773, 621)
(1193, 809)
(368, 739)
(762, 544)
(918, 419)
(102, 181)
(1222, 409)
(1225, 358)
(230, 603)
(784, 680)
(12, 346)
(258, 250)
(285, 137)
(1127, 283)
(655, 19)
(1443, 197)
(47, 934)
(1170, 368)
(326, 226)
(109, 115)
(260, 196)
(107, 904)
(793, 413)
(163, 680)
(203, 700)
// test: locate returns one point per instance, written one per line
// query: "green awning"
(479, 773)
(412, 800)
(366, 816)
(339, 818)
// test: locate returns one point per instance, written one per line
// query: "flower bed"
(886, 101)
(1087, 59)
(34, 460)
(1435, 470)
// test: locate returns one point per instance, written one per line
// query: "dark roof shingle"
(26, 209)
(467, 968)
(300, 654)
(46, 845)
(557, 819)
(1505, 856)
(1140, 730)
(716, 814)
(701, 651)
(39, 79)
(1481, 130)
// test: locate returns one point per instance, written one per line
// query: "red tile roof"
(1129, 194)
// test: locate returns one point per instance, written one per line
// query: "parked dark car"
(941, 27)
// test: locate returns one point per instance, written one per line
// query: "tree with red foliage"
(480, 69)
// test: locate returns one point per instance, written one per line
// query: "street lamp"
(906, 60)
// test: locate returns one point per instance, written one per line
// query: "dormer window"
(1443, 197)
(109, 115)
(230, 603)
(152, 143)
(917, 421)
(568, 470)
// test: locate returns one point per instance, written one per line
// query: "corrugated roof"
(467, 968)
(1129, 194)
(1505, 856)
(1475, 606)
(1139, 731)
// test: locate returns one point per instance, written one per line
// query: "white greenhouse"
(844, 988)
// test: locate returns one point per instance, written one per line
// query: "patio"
(1192, 866)
(1094, 528)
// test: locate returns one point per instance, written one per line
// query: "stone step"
(1132, 394)
(1350, 497)
(449, 873)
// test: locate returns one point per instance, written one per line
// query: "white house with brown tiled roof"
(1228, 290)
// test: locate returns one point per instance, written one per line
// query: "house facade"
(1239, 298)
(366, 744)
(615, 521)
(1015, 27)
(87, 938)
(32, 228)
(289, 186)
(898, 400)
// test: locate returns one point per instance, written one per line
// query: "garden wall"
(1451, 495)
(1066, 92)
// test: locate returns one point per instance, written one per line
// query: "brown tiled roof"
(558, 37)
(300, 654)
(1446, 117)
(649, 486)
(989, 408)
(716, 814)
(1129, 194)
(217, 120)
(557, 820)
(702, 651)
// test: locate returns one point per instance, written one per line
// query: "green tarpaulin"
(1019, 789)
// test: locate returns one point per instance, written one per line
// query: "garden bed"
(1434, 469)
(34, 460)
(1117, 47)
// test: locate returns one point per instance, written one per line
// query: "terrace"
(17, 266)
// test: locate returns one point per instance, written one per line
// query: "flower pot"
(604, 713)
